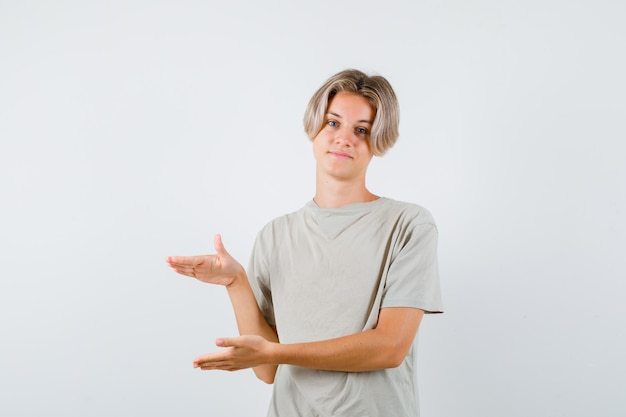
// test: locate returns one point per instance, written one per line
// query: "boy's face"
(342, 148)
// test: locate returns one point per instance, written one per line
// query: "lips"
(340, 155)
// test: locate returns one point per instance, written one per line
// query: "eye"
(333, 123)
(362, 131)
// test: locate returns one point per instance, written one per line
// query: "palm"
(217, 269)
(220, 268)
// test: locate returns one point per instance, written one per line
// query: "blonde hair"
(376, 89)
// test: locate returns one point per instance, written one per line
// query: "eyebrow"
(339, 116)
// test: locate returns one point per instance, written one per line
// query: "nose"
(345, 136)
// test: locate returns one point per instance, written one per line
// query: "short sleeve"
(259, 277)
(413, 276)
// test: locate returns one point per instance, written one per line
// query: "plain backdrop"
(134, 130)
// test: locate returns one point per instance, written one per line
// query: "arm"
(383, 347)
(250, 321)
(223, 269)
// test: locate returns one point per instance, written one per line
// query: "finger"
(221, 367)
(202, 361)
(182, 261)
(185, 271)
(211, 358)
(228, 342)
(213, 362)
(219, 246)
(189, 266)
(180, 268)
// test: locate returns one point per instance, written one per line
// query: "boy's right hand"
(221, 268)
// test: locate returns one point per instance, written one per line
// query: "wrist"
(274, 353)
(238, 279)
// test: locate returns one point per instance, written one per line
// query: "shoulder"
(280, 223)
(407, 212)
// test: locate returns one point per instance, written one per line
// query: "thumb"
(219, 246)
(225, 341)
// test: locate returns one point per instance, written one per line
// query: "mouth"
(340, 155)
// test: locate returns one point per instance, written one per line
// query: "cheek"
(320, 140)
(364, 146)
(316, 145)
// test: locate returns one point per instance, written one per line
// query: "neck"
(334, 194)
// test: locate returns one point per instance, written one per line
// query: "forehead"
(351, 106)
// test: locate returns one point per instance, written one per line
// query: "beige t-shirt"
(322, 273)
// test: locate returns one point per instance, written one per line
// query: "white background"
(133, 130)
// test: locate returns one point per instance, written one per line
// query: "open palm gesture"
(220, 268)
